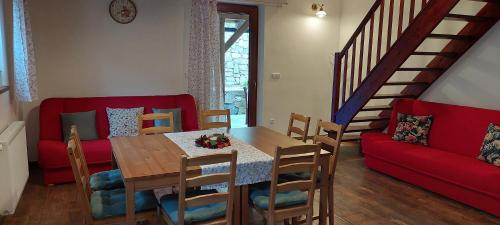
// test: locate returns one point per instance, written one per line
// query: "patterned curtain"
(25, 82)
(204, 76)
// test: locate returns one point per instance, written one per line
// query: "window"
(4, 81)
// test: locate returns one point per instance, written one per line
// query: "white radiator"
(13, 166)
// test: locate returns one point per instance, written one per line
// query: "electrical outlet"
(271, 121)
(275, 76)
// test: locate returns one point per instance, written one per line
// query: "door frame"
(253, 12)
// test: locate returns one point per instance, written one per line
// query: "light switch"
(276, 76)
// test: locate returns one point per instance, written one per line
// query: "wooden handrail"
(365, 20)
(421, 23)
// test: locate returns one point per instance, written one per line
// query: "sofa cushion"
(165, 123)
(123, 122)
(412, 129)
(85, 123)
(112, 203)
(457, 129)
(490, 150)
(453, 168)
(51, 109)
(106, 180)
(170, 205)
(53, 154)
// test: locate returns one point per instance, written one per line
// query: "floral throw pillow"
(413, 129)
(490, 151)
(123, 122)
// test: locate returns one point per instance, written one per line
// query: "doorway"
(239, 46)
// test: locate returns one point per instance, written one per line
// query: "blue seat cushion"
(111, 203)
(170, 205)
(259, 195)
(106, 180)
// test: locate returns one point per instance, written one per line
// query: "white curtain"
(204, 76)
(25, 82)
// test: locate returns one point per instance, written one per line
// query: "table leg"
(113, 162)
(237, 206)
(130, 198)
(245, 209)
(323, 190)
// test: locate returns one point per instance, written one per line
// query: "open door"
(239, 32)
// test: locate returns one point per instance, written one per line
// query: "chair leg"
(295, 221)
(309, 216)
(331, 211)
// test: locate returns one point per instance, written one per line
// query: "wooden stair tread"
(452, 36)
(369, 118)
(376, 108)
(396, 83)
(421, 69)
(384, 96)
(469, 18)
(350, 137)
(444, 54)
(352, 129)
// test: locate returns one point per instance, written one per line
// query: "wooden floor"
(362, 197)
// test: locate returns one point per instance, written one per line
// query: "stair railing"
(351, 66)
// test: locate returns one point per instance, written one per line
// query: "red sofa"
(447, 166)
(52, 155)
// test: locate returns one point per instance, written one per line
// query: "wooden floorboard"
(362, 197)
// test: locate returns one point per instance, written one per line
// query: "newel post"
(336, 85)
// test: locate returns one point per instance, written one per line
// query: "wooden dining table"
(149, 162)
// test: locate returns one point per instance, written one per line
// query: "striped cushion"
(106, 180)
(106, 204)
(170, 205)
(259, 194)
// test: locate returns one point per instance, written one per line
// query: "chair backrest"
(295, 159)
(205, 124)
(296, 130)
(82, 180)
(333, 143)
(188, 182)
(156, 129)
(79, 154)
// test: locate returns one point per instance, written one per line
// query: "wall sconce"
(318, 8)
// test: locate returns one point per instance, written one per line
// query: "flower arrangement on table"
(215, 141)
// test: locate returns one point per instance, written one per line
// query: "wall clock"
(122, 11)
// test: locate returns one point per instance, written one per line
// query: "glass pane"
(236, 67)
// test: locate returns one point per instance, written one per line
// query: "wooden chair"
(210, 202)
(283, 195)
(332, 146)
(104, 180)
(95, 213)
(156, 129)
(205, 124)
(296, 130)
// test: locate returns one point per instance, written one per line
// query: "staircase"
(374, 59)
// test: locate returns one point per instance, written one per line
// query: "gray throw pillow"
(84, 122)
(123, 122)
(165, 123)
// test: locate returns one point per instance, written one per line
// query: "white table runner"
(253, 165)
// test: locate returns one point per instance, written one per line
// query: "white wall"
(474, 79)
(300, 46)
(81, 51)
